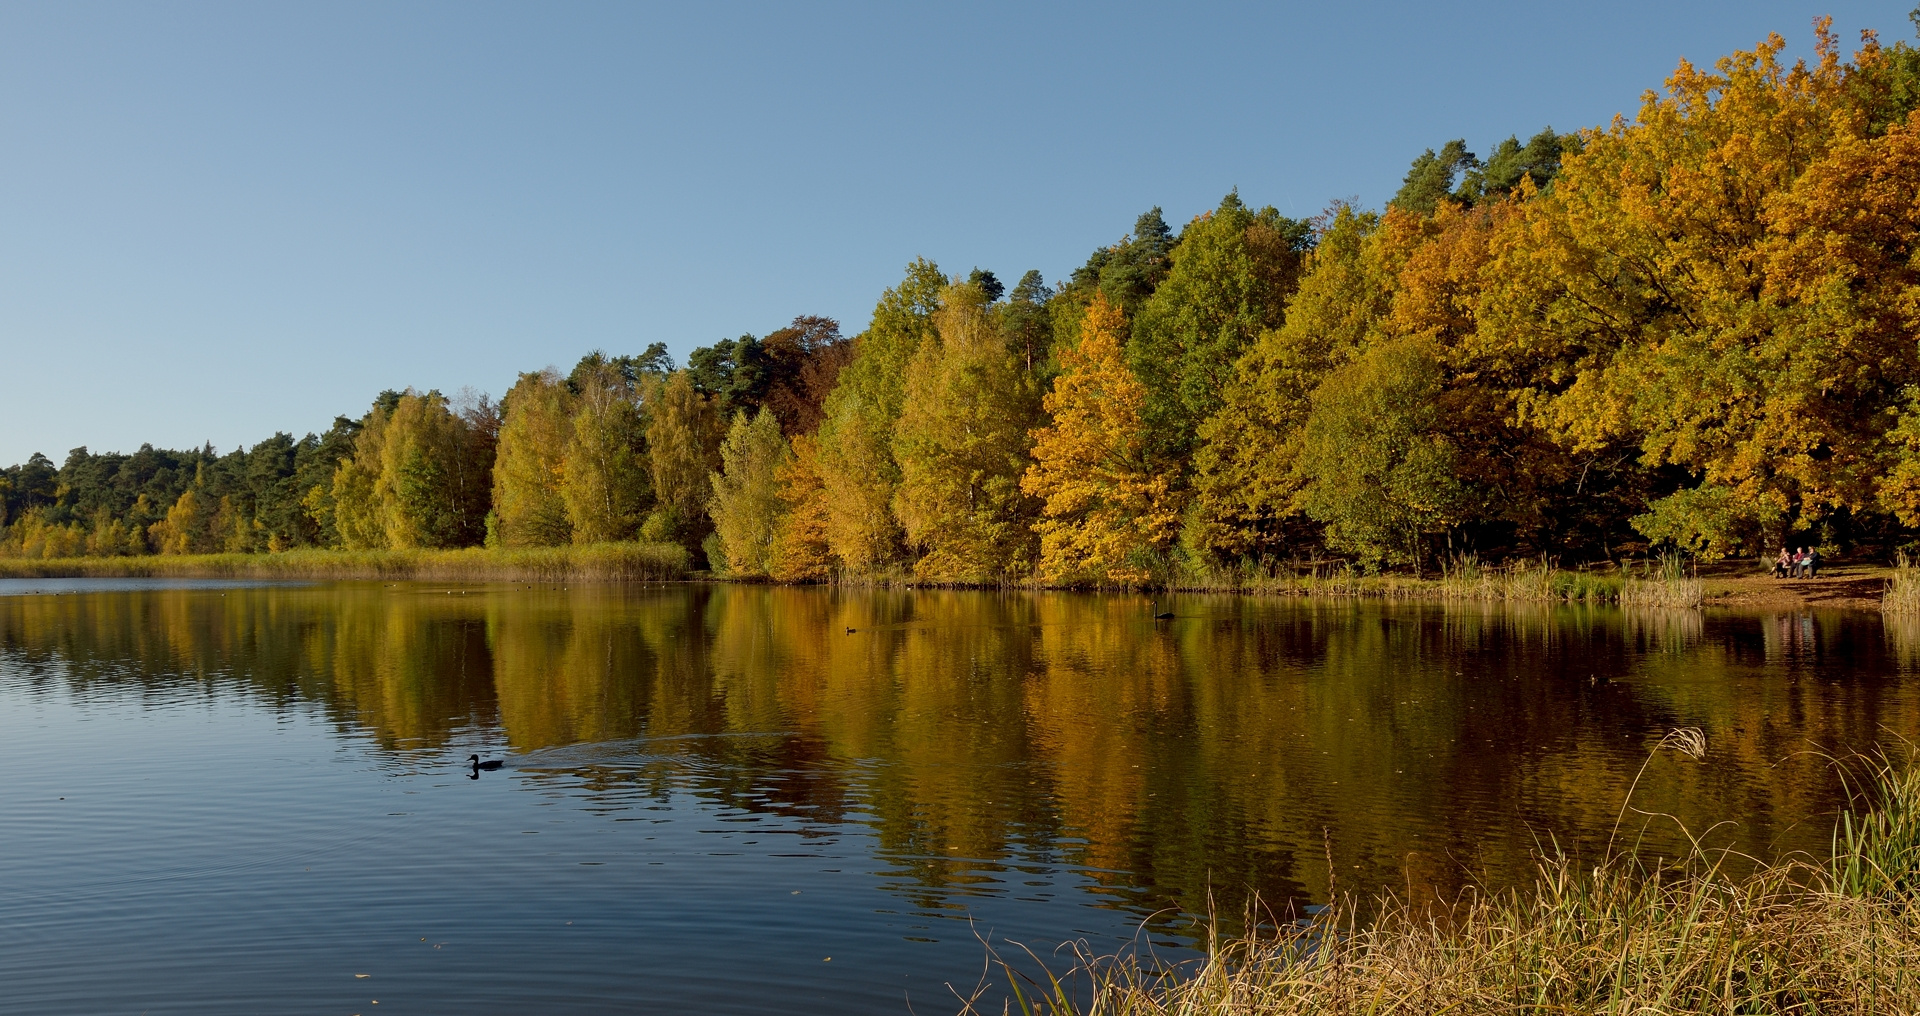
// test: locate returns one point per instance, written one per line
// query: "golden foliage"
(747, 509)
(529, 464)
(801, 551)
(1105, 503)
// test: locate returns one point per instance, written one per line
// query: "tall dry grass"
(1902, 595)
(1839, 935)
(1665, 585)
(1462, 578)
(596, 562)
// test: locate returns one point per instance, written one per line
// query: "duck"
(489, 765)
(1159, 615)
(850, 631)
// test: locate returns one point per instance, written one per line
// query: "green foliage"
(1244, 466)
(1230, 279)
(747, 509)
(1708, 521)
(1378, 470)
(605, 471)
(1538, 160)
(1432, 177)
(962, 443)
(683, 450)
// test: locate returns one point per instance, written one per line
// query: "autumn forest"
(1695, 331)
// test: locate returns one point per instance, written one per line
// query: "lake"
(232, 798)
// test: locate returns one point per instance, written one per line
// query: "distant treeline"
(1697, 330)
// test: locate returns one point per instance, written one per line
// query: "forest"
(1696, 332)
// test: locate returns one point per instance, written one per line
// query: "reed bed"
(1666, 586)
(1461, 579)
(596, 562)
(1839, 936)
(1902, 595)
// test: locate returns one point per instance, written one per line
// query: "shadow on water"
(1248, 746)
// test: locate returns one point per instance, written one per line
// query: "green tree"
(1244, 472)
(432, 486)
(1378, 468)
(1231, 276)
(962, 445)
(1432, 177)
(529, 470)
(604, 470)
(683, 443)
(856, 462)
(747, 509)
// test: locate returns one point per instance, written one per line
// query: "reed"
(1666, 585)
(1902, 595)
(1462, 578)
(595, 562)
(1834, 936)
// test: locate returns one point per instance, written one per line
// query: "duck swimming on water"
(489, 765)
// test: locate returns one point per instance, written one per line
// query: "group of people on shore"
(1796, 563)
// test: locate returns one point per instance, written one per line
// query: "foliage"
(962, 442)
(529, 471)
(683, 448)
(1231, 275)
(747, 508)
(1693, 331)
(605, 472)
(1106, 503)
(802, 551)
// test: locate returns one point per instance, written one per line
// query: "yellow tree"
(604, 468)
(856, 462)
(1106, 506)
(801, 551)
(1699, 286)
(529, 466)
(857, 469)
(961, 443)
(683, 446)
(188, 527)
(747, 509)
(431, 490)
(357, 515)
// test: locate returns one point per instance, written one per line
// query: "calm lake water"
(227, 798)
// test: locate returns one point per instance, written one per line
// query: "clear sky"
(222, 220)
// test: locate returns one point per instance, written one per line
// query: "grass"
(1835, 935)
(602, 561)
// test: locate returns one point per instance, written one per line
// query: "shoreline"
(608, 562)
(1843, 586)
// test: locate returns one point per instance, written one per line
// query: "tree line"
(1694, 330)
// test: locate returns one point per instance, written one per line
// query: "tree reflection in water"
(987, 739)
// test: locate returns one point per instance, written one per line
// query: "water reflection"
(987, 739)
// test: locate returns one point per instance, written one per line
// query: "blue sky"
(222, 220)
